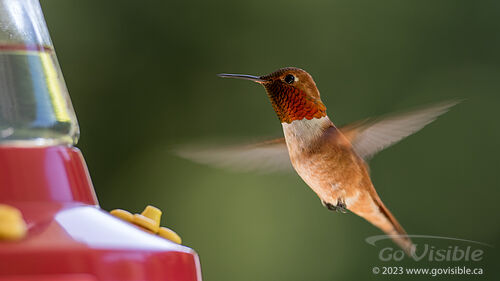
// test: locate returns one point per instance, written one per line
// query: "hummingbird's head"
(292, 92)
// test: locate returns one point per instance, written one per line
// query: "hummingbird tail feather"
(382, 218)
(395, 230)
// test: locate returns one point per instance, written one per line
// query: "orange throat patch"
(291, 104)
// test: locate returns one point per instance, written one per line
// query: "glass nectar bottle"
(35, 108)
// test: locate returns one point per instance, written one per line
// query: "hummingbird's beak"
(242, 76)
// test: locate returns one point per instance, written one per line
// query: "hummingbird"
(331, 160)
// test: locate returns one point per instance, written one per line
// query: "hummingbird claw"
(341, 207)
(329, 206)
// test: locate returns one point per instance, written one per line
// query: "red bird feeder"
(51, 226)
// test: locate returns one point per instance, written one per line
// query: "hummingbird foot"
(339, 207)
(329, 206)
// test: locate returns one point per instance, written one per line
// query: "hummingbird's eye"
(289, 78)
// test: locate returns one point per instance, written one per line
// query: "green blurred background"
(141, 75)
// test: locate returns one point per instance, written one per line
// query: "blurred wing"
(372, 135)
(269, 156)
